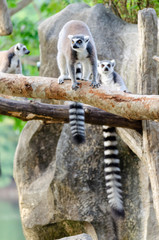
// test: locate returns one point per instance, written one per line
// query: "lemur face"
(20, 50)
(78, 42)
(106, 66)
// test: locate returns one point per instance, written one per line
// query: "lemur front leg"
(94, 83)
(72, 73)
(18, 69)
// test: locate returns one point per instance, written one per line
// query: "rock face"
(114, 39)
(61, 186)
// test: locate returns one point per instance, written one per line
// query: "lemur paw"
(84, 79)
(75, 86)
(125, 91)
(95, 84)
(60, 80)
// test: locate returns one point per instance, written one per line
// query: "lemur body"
(76, 44)
(109, 77)
(112, 81)
(10, 59)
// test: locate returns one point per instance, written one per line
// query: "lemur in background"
(76, 46)
(10, 59)
(114, 82)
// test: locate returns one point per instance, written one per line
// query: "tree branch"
(22, 4)
(29, 110)
(5, 22)
(133, 139)
(130, 106)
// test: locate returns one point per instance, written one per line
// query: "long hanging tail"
(77, 122)
(112, 172)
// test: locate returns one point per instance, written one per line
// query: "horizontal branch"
(29, 110)
(131, 106)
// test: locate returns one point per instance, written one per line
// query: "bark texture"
(5, 21)
(30, 110)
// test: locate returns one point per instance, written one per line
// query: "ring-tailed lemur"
(76, 44)
(113, 81)
(10, 59)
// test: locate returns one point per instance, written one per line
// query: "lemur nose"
(75, 46)
(106, 69)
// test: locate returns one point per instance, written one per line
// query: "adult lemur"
(113, 81)
(10, 59)
(76, 45)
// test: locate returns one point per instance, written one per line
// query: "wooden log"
(30, 110)
(127, 105)
(147, 84)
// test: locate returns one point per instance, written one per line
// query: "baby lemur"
(113, 81)
(76, 44)
(10, 59)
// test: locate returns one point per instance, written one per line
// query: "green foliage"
(128, 9)
(12, 3)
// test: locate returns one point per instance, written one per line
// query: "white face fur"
(79, 42)
(106, 66)
(20, 50)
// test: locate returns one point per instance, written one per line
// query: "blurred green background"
(25, 24)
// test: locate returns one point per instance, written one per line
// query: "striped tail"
(78, 71)
(112, 172)
(77, 122)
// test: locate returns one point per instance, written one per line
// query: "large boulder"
(114, 38)
(61, 186)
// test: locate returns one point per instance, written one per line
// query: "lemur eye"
(24, 49)
(79, 41)
(108, 65)
(72, 41)
(102, 65)
(18, 48)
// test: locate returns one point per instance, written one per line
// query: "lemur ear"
(113, 63)
(86, 38)
(70, 37)
(18, 46)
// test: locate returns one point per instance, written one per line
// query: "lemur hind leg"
(61, 61)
